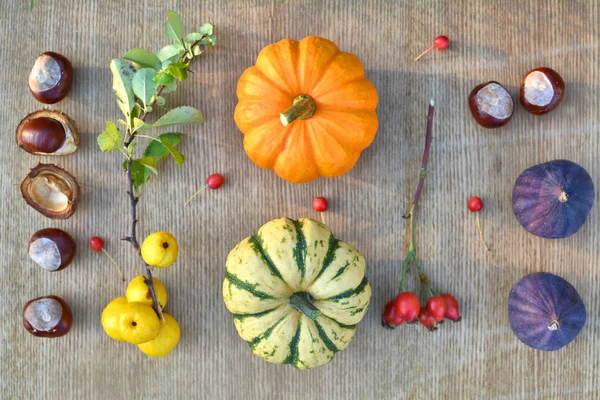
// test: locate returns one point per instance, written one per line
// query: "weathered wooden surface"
(478, 358)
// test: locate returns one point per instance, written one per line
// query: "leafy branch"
(140, 79)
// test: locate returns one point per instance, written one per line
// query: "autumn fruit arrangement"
(296, 293)
(132, 318)
(407, 307)
(140, 80)
(306, 109)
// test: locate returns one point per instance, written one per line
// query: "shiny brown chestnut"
(542, 90)
(491, 105)
(47, 133)
(47, 316)
(51, 191)
(50, 78)
(52, 249)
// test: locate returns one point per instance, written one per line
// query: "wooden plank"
(478, 358)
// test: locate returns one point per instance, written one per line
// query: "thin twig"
(133, 201)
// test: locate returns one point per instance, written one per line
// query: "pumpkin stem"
(302, 302)
(554, 325)
(563, 197)
(302, 107)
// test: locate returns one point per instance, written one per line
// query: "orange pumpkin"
(306, 109)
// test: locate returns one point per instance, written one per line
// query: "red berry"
(452, 310)
(436, 307)
(407, 306)
(389, 317)
(441, 42)
(427, 320)
(320, 204)
(215, 181)
(475, 204)
(96, 243)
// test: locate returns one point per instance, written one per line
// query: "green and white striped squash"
(296, 293)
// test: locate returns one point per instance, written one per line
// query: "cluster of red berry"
(407, 308)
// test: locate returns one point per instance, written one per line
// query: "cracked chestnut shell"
(50, 78)
(52, 249)
(51, 191)
(47, 316)
(47, 133)
(491, 105)
(542, 90)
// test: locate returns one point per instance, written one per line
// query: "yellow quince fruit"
(138, 292)
(165, 341)
(111, 316)
(160, 249)
(138, 323)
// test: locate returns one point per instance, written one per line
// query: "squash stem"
(303, 302)
(302, 107)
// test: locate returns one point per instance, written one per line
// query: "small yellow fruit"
(111, 316)
(167, 339)
(160, 249)
(138, 292)
(138, 323)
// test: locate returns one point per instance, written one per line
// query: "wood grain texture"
(478, 358)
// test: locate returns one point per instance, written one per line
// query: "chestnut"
(51, 191)
(47, 133)
(52, 249)
(491, 105)
(47, 316)
(542, 90)
(50, 78)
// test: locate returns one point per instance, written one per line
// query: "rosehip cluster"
(407, 308)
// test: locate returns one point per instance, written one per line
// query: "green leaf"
(139, 125)
(179, 71)
(143, 85)
(180, 115)
(31, 6)
(205, 29)
(179, 158)
(174, 28)
(170, 51)
(144, 58)
(194, 36)
(130, 150)
(160, 101)
(139, 174)
(164, 78)
(196, 50)
(111, 138)
(149, 163)
(157, 150)
(170, 87)
(123, 73)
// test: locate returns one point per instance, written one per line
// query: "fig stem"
(196, 194)
(115, 263)
(554, 325)
(478, 221)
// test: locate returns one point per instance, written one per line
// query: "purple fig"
(545, 311)
(553, 199)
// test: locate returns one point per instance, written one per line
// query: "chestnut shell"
(55, 186)
(58, 91)
(47, 133)
(484, 119)
(62, 326)
(553, 199)
(545, 311)
(65, 245)
(558, 85)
